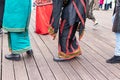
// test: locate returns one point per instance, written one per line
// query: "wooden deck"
(97, 46)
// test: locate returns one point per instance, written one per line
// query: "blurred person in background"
(107, 4)
(101, 4)
(90, 14)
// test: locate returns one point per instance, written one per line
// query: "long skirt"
(19, 42)
(16, 21)
(71, 16)
(43, 14)
(68, 45)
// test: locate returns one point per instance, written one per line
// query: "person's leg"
(90, 14)
(99, 5)
(18, 43)
(107, 5)
(116, 57)
(110, 5)
(68, 46)
(117, 48)
(92, 17)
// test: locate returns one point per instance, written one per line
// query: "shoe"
(15, 57)
(114, 59)
(58, 59)
(29, 52)
(95, 24)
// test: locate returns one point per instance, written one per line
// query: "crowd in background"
(106, 4)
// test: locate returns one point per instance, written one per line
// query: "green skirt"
(15, 21)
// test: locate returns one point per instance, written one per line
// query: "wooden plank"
(99, 63)
(104, 34)
(104, 18)
(7, 65)
(43, 66)
(90, 68)
(103, 37)
(106, 50)
(99, 45)
(104, 68)
(90, 41)
(69, 71)
(20, 70)
(32, 70)
(79, 68)
(104, 43)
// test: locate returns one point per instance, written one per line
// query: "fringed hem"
(70, 55)
(14, 29)
(21, 50)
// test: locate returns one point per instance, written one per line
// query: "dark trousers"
(106, 7)
(1, 11)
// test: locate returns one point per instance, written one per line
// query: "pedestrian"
(116, 29)
(71, 13)
(43, 14)
(16, 21)
(101, 4)
(90, 14)
(107, 4)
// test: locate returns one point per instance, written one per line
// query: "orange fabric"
(43, 14)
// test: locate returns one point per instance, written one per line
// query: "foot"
(114, 59)
(29, 52)
(15, 57)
